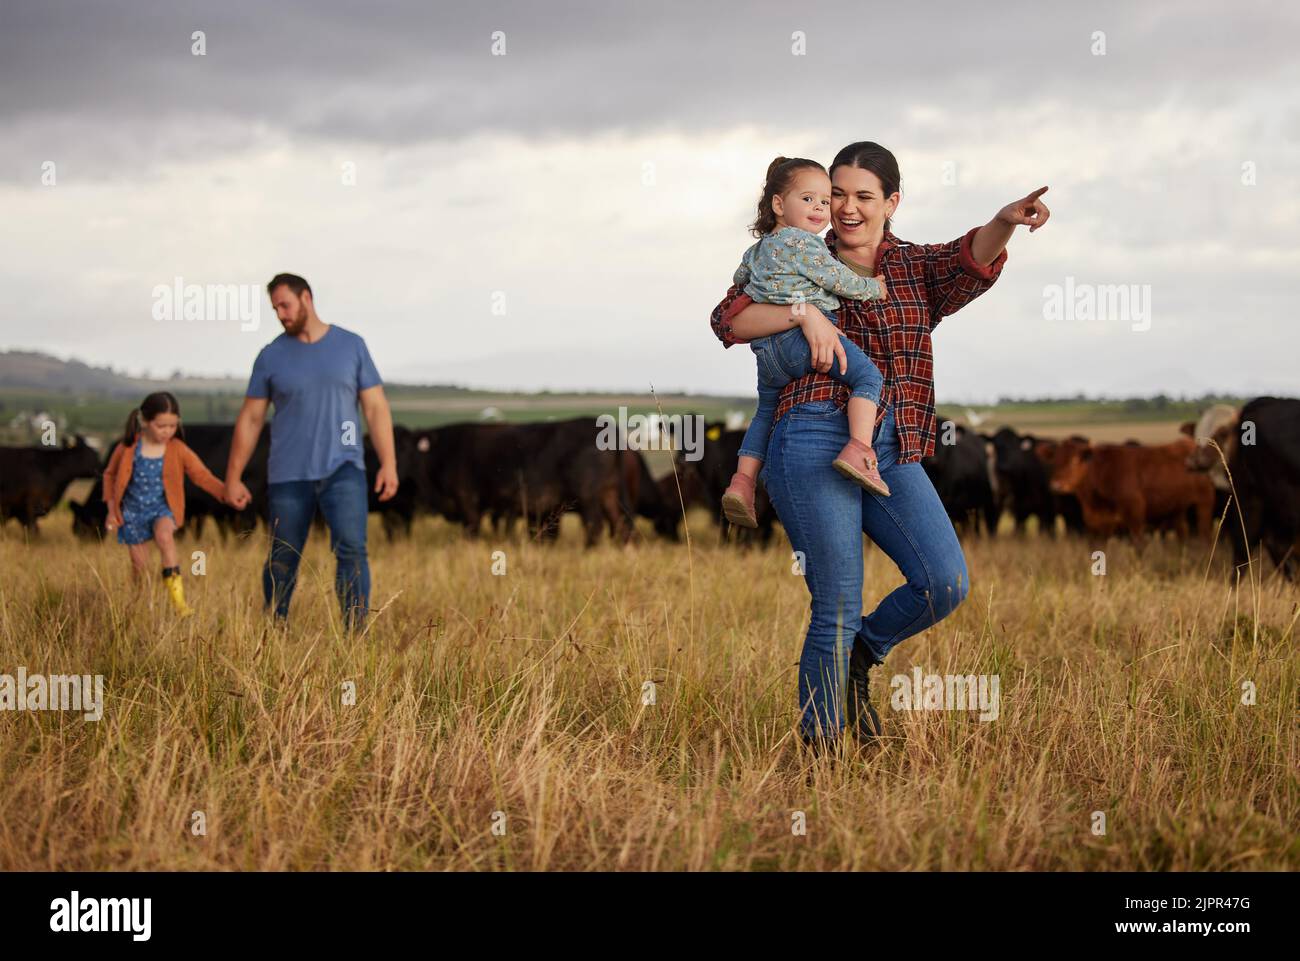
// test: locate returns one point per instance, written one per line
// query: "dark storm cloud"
(113, 87)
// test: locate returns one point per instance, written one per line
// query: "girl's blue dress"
(144, 501)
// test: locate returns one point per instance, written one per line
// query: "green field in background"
(420, 407)
(103, 417)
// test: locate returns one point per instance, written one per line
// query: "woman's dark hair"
(160, 402)
(868, 155)
(779, 174)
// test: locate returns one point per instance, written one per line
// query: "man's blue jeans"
(786, 356)
(824, 515)
(341, 498)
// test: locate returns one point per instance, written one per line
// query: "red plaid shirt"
(927, 282)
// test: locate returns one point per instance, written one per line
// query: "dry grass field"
(499, 720)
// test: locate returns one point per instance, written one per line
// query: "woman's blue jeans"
(824, 515)
(341, 498)
(786, 356)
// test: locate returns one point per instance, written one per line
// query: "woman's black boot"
(861, 716)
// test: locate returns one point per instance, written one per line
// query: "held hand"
(237, 495)
(386, 482)
(1030, 210)
(823, 340)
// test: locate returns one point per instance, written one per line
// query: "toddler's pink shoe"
(738, 501)
(857, 462)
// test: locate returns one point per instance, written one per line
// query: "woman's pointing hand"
(1030, 210)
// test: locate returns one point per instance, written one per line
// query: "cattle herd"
(499, 473)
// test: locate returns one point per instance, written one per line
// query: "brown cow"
(1128, 488)
(1052, 454)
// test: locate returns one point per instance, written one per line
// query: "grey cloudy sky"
(600, 176)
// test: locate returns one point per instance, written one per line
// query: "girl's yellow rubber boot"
(176, 591)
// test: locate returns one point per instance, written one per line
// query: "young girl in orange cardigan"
(144, 485)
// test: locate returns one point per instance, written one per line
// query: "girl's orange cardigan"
(178, 462)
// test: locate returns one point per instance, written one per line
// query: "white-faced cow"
(1260, 446)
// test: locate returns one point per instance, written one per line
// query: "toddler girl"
(791, 264)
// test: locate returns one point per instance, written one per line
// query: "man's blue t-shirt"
(314, 387)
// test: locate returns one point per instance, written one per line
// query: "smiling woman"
(824, 513)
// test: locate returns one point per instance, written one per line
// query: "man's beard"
(294, 327)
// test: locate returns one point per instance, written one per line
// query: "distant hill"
(25, 370)
(35, 371)
(31, 370)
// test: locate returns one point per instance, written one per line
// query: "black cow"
(1262, 449)
(1023, 481)
(453, 486)
(646, 497)
(538, 471)
(211, 442)
(565, 470)
(704, 481)
(89, 517)
(960, 474)
(33, 479)
(412, 452)
(678, 489)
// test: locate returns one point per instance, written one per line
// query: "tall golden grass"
(499, 719)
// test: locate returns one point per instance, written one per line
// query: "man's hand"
(386, 481)
(379, 418)
(237, 495)
(248, 427)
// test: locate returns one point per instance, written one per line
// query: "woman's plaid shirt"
(927, 282)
